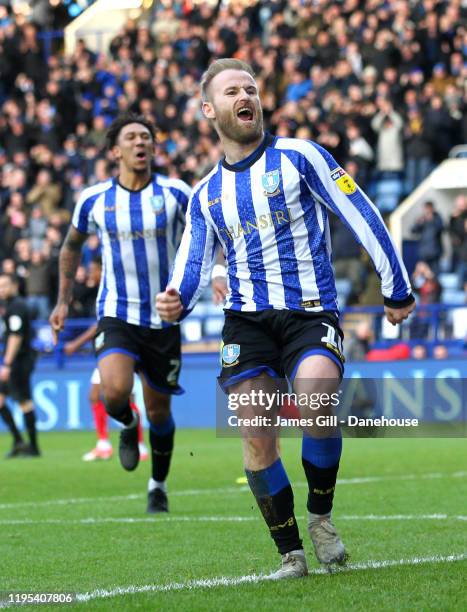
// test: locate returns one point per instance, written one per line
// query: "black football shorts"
(157, 352)
(19, 385)
(276, 342)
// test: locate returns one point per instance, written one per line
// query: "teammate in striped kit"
(267, 204)
(139, 217)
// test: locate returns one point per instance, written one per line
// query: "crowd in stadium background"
(380, 84)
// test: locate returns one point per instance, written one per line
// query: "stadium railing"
(430, 325)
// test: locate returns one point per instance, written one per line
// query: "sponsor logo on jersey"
(270, 182)
(262, 222)
(230, 354)
(157, 203)
(214, 201)
(310, 303)
(145, 234)
(343, 181)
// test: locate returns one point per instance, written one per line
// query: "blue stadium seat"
(343, 288)
(448, 280)
(388, 193)
(453, 296)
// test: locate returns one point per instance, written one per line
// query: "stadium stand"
(380, 85)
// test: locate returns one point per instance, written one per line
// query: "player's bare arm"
(70, 256)
(74, 345)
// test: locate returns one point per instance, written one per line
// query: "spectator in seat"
(360, 152)
(347, 260)
(418, 150)
(419, 352)
(359, 345)
(428, 289)
(388, 125)
(37, 286)
(45, 193)
(429, 228)
(458, 235)
(440, 351)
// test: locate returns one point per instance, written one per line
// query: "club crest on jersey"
(271, 181)
(343, 181)
(230, 354)
(157, 203)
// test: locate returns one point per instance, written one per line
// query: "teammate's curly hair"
(120, 122)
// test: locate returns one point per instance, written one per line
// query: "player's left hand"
(169, 305)
(5, 372)
(219, 289)
(397, 315)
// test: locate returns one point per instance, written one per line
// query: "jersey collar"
(117, 182)
(243, 164)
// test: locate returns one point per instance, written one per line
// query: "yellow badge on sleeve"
(346, 184)
(343, 181)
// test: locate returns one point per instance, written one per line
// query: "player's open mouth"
(141, 155)
(245, 114)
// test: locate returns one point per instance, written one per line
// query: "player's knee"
(158, 413)
(259, 453)
(115, 395)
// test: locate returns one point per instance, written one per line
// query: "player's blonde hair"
(218, 66)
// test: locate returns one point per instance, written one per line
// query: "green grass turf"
(84, 557)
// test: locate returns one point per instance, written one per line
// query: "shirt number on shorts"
(172, 376)
(332, 338)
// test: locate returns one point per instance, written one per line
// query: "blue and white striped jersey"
(270, 214)
(139, 232)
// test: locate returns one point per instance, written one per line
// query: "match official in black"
(17, 366)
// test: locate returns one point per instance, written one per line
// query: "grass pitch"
(66, 525)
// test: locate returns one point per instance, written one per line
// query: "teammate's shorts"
(276, 342)
(96, 379)
(19, 385)
(157, 352)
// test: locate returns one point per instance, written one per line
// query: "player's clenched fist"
(169, 305)
(397, 315)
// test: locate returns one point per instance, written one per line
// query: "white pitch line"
(210, 583)
(224, 519)
(227, 490)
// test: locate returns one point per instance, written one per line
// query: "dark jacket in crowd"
(430, 246)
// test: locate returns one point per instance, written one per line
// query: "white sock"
(103, 445)
(155, 484)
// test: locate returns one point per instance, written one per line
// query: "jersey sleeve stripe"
(360, 215)
(181, 197)
(397, 287)
(83, 209)
(141, 259)
(81, 217)
(110, 218)
(217, 217)
(194, 259)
